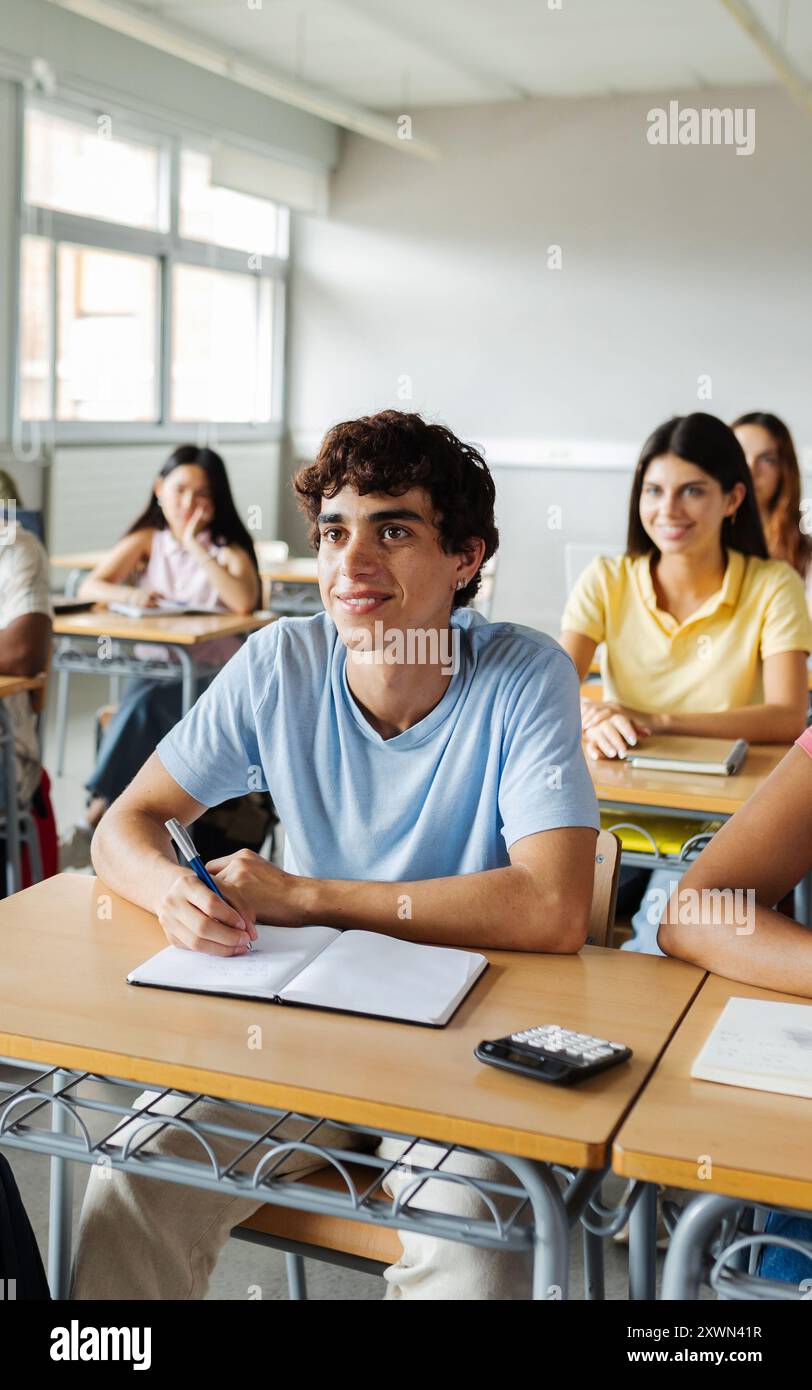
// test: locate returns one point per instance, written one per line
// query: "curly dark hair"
(392, 452)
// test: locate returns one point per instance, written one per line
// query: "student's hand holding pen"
(275, 896)
(196, 919)
(195, 913)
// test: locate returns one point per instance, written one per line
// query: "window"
(144, 304)
(220, 215)
(221, 367)
(106, 344)
(84, 169)
(35, 329)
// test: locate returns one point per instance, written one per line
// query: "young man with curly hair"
(460, 784)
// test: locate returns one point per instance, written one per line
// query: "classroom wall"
(428, 288)
(94, 493)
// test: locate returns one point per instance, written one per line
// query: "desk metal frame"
(77, 656)
(538, 1222)
(679, 863)
(727, 1262)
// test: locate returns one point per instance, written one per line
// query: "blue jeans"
(788, 1266)
(148, 710)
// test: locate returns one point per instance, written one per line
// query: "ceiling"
(392, 54)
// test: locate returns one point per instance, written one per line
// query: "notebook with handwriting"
(762, 1044)
(356, 972)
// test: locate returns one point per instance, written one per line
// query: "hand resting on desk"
(610, 729)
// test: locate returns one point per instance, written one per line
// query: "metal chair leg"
(297, 1281)
(31, 838)
(61, 719)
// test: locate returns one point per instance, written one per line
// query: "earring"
(460, 584)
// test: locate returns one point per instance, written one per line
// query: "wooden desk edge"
(343, 1109)
(772, 1189)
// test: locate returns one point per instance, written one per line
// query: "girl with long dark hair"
(189, 546)
(704, 634)
(773, 464)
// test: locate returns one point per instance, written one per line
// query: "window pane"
(221, 346)
(219, 215)
(86, 170)
(35, 328)
(107, 315)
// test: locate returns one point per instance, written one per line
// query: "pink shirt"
(805, 741)
(177, 575)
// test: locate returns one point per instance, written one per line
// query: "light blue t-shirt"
(498, 758)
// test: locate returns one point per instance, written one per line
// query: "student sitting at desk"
(188, 545)
(25, 630)
(765, 847)
(703, 633)
(773, 463)
(440, 796)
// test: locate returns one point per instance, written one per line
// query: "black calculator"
(561, 1056)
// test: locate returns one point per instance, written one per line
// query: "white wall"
(95, 493)
(677, 261)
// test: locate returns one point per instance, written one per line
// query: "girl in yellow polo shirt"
(703, 633)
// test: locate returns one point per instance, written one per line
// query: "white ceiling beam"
(303, 96)
(790, 76)
(404, 29)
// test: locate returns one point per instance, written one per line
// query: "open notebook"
(355, 972)
(164, 605)
(761, 1044)
(678, 753)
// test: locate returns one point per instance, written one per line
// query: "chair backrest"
(604, 888)
(271, 552)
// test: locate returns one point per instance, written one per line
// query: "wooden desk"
(626, 792)
(347, 1068)
(620, 785)
(401, 1079)
(13, 685)
(182, 633)
(748, 1145)
(297, 570)
(292, 589)
(760, 1143)
(168, 629)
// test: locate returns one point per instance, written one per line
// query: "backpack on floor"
(21, 1271)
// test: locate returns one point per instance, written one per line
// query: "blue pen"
(185, 844)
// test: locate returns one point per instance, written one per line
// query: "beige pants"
(144, 1238)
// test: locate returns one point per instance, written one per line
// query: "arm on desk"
(610, 729)
(107, 583)
(767, 847)
(24, 645)
(540, 902)
(780, 719)
(131, 850)
(234, 576)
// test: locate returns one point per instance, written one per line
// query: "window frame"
(169, 249)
